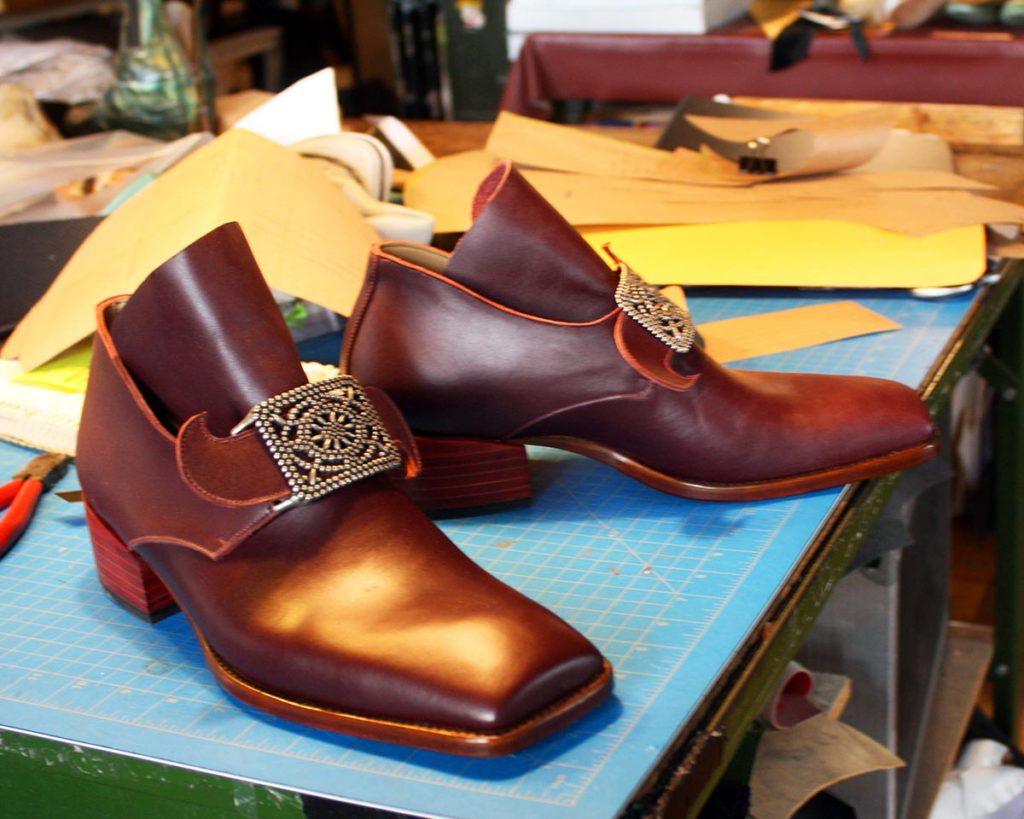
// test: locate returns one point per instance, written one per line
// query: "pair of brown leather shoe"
(218, 480)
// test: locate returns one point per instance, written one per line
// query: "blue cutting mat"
(667, 588)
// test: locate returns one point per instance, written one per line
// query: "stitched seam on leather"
(198, 488)
(232, 543)
(643, 392)
(135, 542)
(634, 362)
(227, 545)
(490, 303)
(592, 683)
(355, 321)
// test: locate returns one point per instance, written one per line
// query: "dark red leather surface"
(922, 65)
(459, 364)
(356, 602)
(127, 465)
(563, 280)
(195, 296)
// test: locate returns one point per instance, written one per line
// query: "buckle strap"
(229, 471)
(320, 437)
(642, 302)
(323, 436)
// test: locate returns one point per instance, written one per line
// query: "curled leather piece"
(234, 471)
(649, 356)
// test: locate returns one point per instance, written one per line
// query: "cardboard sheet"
(699, 121)
(799, 146)
(894, 200)
(784, 330)
(533, 142)
(67, 372)
(741, 129)
(797, 254)
(682, 132)
(908, 151)
(914, 213)
(309, 240)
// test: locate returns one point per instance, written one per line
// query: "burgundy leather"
(355, 602)
(458, 364)
(128, 467)
(940, 63)
(227, 470)
(564, 279)
(195, 296)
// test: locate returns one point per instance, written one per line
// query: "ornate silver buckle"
(663, 319)
(323, 436)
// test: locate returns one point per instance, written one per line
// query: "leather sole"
(468, 482)
(756, 490)
(130, 581)
(427, 737)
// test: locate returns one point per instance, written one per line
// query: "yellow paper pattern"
(68, 372)
(796, 254)
(783, 330)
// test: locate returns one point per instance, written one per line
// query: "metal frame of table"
(709, 742)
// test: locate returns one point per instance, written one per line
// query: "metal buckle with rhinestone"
(323, 436)
(663, 319)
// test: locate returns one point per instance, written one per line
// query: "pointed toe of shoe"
(884, 417)
(816, 431)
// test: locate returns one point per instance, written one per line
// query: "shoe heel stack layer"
(125, 576)
(464, 474)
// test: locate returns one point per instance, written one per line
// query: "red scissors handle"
(20, 497)
(9, 490)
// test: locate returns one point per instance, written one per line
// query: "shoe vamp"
(359, 603)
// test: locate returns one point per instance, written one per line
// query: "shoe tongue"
(521, 253)
(203, 332)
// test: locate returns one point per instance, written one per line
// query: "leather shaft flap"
(136, 459)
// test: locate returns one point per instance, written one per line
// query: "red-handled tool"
(21, 495)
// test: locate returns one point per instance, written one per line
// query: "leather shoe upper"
(517, 335)
(354, 602)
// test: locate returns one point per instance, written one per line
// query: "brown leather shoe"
(524, 335)
(318, 591)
